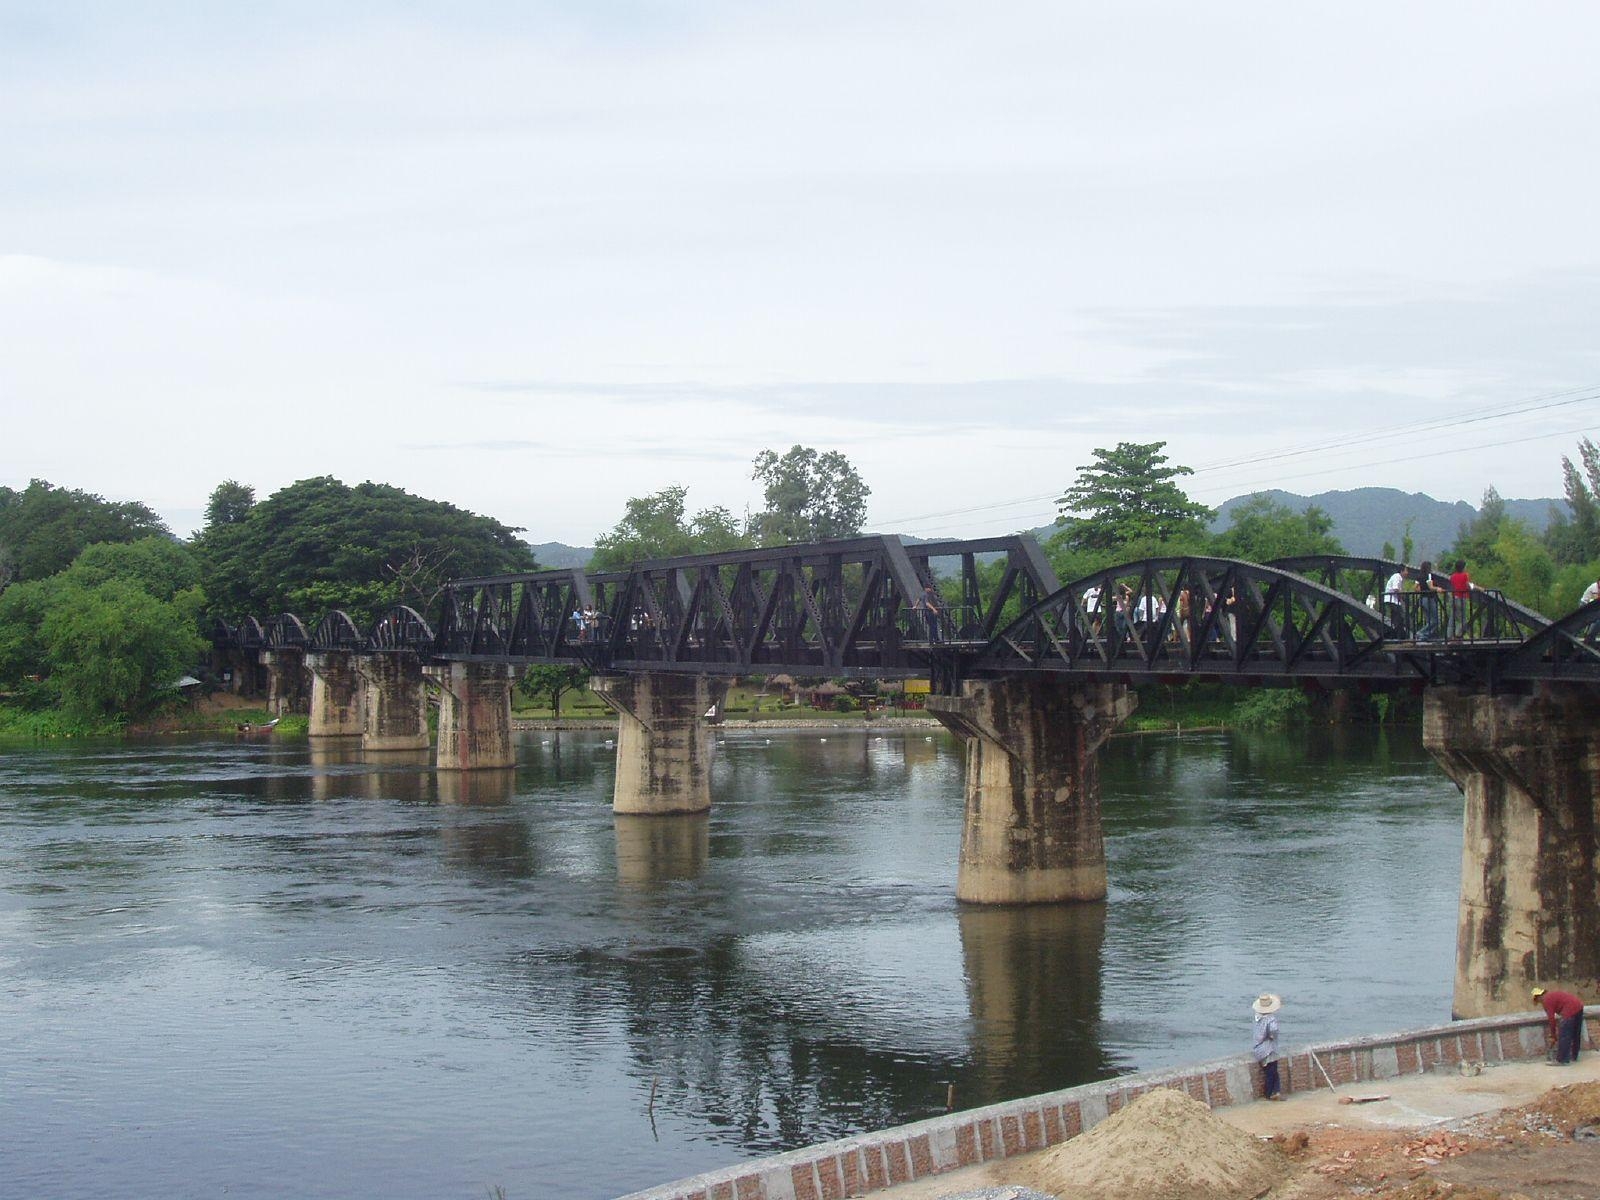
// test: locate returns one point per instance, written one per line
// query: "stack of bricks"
(861, 1165)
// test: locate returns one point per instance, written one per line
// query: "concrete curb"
(860, 1165)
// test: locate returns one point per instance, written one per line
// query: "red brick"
(1113, 1102)
(1510, 1044)
(850, 1172)
(966, 1145)
(828, 1177)
(751, 1187)
(1011, 1135)
(1195, 1086)
(805, 1182)
(899, 1168)
(1450, 1050)
(1428, 1053)
(1053, 1133)
(1406, 1054)
(877, 1174)
(921, 1157)
(988, 1143)
(722, 1191)
(1032, 1131)
(1072, 1119)
(1217, 1094)
(700, 1195)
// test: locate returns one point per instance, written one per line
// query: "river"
(256, 969)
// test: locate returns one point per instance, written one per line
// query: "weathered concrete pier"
(1032, 832)
(664, 744)
(1529, 769)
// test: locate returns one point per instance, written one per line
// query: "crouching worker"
(1564, 1023)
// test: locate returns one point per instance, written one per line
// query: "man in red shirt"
(1564, 1012)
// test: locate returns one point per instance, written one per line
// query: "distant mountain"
(1365, 518)
(551, 555)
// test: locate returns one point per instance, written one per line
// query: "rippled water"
(254, 969)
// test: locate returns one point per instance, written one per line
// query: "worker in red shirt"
(1564, 1031)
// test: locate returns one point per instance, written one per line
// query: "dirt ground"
(1504, 1133)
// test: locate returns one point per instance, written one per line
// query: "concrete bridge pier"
(664, 745)
(286, 682)
(1529, 768)
(1032, 833)
(395, 711)
(335, 695)
(474, 716)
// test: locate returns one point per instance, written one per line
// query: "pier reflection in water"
(275, 969)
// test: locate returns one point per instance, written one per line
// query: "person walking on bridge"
(929, 604)
(1564, 1022)
(1264, 1045)
(1394, 596)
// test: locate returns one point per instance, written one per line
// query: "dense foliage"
(1128, 497)
(658, 526)
(320, 544)
(810, 496)
(43, 528)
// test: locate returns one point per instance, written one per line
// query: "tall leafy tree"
(320, 544)
(659, 526)
(1128, 496)
(810, 496)
(230, 503)
(1576, 539)
(44, 527)
(1261, 529)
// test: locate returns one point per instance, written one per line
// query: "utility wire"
(1501, 410)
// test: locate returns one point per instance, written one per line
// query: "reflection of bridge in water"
(1033, 675)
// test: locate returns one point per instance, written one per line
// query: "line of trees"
(102, 608)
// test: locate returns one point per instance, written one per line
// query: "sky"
(536, 258)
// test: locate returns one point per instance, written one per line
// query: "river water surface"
(256, 969)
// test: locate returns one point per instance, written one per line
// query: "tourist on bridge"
(1264, 1047)
(1564, 1023)
(1428, 592)
(1460, 597)
(1394, 595)
(929, 604)
(1590, 595)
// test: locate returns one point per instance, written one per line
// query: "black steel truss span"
(849, 607)
(1489, 615)
(854, 608)
(1193, 616)
(1567, 649)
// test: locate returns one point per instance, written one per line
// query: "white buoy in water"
(822, 739)
(928, 739)
(610, 744)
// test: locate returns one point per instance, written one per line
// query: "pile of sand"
(1163, 1146)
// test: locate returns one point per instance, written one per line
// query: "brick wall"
(864, 1164)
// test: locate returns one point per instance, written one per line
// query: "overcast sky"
(534, 258)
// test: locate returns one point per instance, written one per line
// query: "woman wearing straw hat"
(1265, 1046)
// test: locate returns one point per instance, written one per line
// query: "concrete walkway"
(1415, 1102)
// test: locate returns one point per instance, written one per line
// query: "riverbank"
(1453, 1070)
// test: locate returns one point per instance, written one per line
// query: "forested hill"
(1365, 518)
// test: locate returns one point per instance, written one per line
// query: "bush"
(1272, 708)
(843, 704)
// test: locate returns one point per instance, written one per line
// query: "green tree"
(552, 682)
(230, 503)
(1128, 497)
(158, 565)
(320, 544)
(658, 526)
(114, 649)
(43, 527)
(1576, 539)
(809, 496)
(1261, 529)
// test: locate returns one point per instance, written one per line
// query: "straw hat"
(1267, 1003)
(1537, 992)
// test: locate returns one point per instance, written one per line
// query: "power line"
(1498, 411)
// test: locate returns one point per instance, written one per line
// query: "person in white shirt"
(1394, 597)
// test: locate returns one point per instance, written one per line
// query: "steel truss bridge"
(854, 608)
